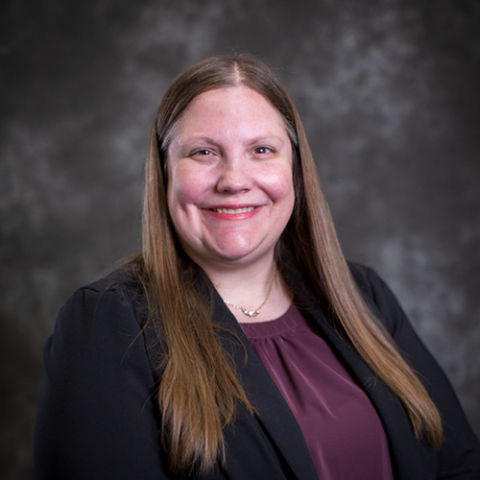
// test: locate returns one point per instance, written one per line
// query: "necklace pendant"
(250, 313)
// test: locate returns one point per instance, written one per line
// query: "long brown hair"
(199, 388)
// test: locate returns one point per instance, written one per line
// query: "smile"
(233, 211)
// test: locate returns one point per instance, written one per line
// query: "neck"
(232, 279)
(248, 286)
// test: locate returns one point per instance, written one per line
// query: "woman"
(240, 344)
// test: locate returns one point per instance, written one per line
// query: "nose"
(234, 176)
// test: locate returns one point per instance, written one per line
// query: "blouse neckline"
(287, 322)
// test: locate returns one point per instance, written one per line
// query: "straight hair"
(199, 390)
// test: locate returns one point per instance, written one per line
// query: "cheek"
(184, 188)
(280, 185)
(181, 195)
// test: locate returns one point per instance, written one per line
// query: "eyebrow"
(266, 138)
(253, 141)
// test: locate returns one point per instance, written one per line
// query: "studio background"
(389, 92)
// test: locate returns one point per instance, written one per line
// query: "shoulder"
(121, 280)
(105, 317)
(367, 280)
(378, 297)
(119, 290)
(101, 330)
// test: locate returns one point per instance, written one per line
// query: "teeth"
(233, 211)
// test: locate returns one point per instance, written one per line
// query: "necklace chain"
(254, 313)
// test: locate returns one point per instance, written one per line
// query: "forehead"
(232, 108)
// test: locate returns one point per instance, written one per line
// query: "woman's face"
(230, 187)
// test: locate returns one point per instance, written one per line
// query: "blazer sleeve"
(97, 418)
(459, 456)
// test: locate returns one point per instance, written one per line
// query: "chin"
(229, 250)
(240, 255)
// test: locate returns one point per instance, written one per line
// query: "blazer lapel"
(404, 449)
(273, 411)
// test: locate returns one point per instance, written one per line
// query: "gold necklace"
(254, 313)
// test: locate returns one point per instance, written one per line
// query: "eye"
(202, 151)
(262, 150)
(203, 155)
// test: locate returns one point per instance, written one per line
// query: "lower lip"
(233, 216)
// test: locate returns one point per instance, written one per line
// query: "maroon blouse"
(341, 428)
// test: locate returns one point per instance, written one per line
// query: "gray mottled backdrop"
(389, 91)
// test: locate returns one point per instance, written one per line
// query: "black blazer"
(98, 420)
